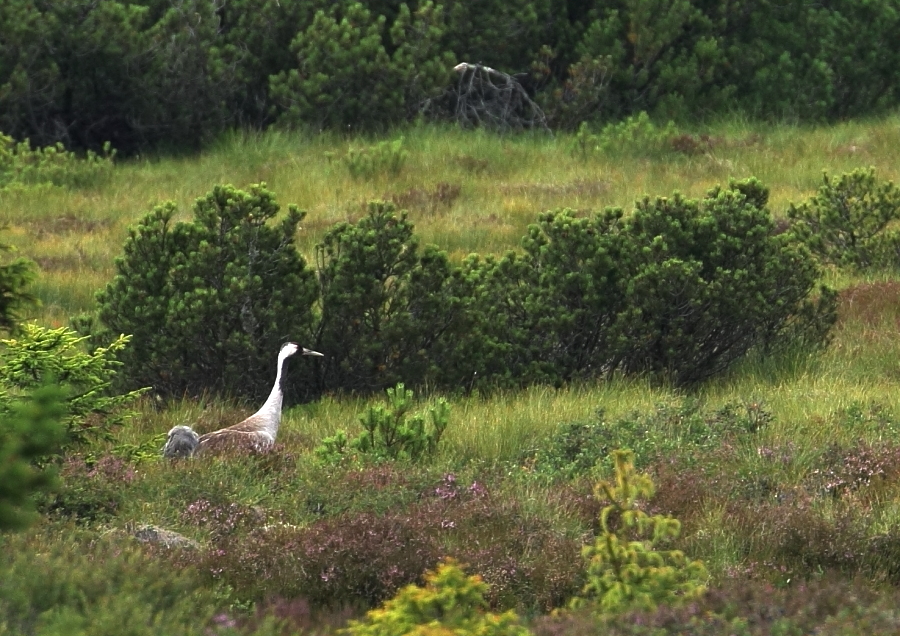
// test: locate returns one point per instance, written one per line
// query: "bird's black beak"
(310, 352)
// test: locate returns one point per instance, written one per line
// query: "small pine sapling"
(391, 432)
(39, 355)
(627, 569)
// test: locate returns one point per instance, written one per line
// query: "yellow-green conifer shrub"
(450, 604)
(627, 569)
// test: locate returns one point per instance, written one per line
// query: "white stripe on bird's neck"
(269, 413)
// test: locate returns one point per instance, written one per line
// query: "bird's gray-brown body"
(256, 433)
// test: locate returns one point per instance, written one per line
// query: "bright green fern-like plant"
(627, 566)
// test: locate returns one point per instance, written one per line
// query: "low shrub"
(384, 158)
(92, 490)
(635, 135)
(209, 302)
(793, 535)
(347, 73)
(679, 431)
(529, 565)
(41, 355)
(353, 559)
(391, 312)
(679, 289)
(450, 603)
(29, 432)
(428, 200)
(70, 582)
(628, 568)
(334, 489)
(221, 519)
(363, 555)
(15, 297)
(846, 223)
(392, 432)
(22, 167)
(826, 605)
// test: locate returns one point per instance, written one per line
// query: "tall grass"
(504, 182)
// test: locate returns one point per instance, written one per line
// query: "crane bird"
(256, 433)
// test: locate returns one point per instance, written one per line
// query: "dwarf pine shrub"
(15, 299)
(383, 158)
(679, 431)
(628, 567)
(345, 76)
(209, 302)
(847, 222)
(391, 312)
(78, 583)
(680, 288)
(635, 134)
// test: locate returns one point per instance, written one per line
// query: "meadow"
(784, 472)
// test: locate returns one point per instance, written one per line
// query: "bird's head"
(290, 348)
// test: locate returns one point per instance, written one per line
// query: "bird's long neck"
(270, 412)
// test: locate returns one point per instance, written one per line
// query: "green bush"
(680, 431)
(349, 74)
(634, 135)
(20, 166)
(131, 73)
(450, 603)
(384, 158)
(390, 312)
(392, 433)
(147, 73)
(30, 430)
(710, 280)
(40, 355)
(680, 288)
(626, 567)
(209, 302)
(15, 299)
(846, 222)
(825, 605)
(658, 57)
(80, 584)
(801, 61)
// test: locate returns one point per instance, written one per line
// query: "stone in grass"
(166, 538)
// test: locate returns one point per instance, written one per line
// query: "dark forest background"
(173, 74)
